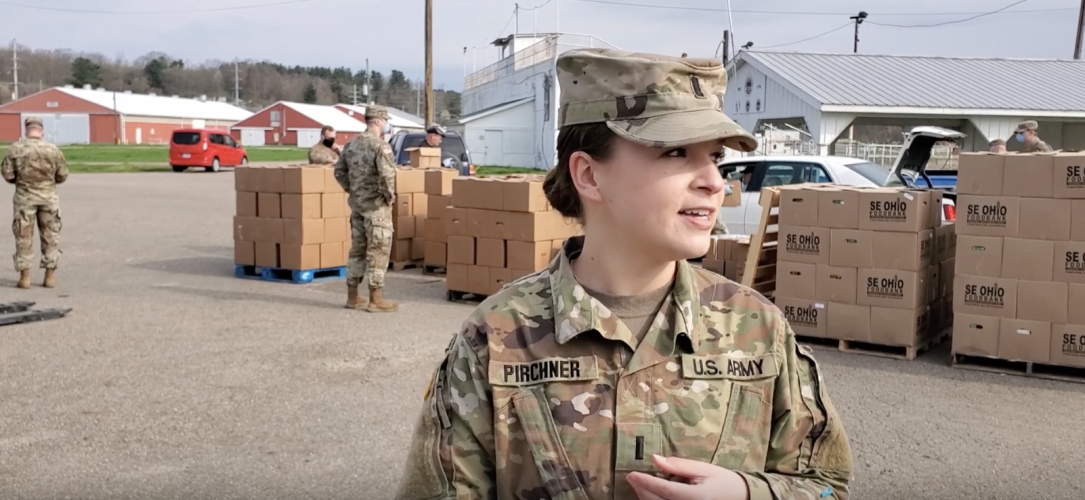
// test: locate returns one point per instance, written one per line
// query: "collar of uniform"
(576, 312)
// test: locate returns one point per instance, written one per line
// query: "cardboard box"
(461, 250)
(499, 278)
(267, 254)
(302, 206)
(806, 317)
(796, 280)
(436, 254)
(420, 204)
(331, 255)
(891, 288)
(942, 236)
(488, 224)
(418, 248)
(835, 284)
(1028, 259)
(851, 248)
(403, 227)
(401, 251)
(1042, 301)
(945, 277)
(516, 274)
(540, 226)
(988, 216)
(300, 257)
(439, 181)
(490, 252)
(1075, 295)
(980, 173)
(976, 335)
(303, 180)
(436, 206)
(246, 204)
(838, 208)
(456, 223)
(403, 206)
(1021, 340)
(1029, 175)
(270, 180)
(982, 296)
(267, 205)
(935, 320)
(849, 322)
(303, 232)
(934, 282)
(1069, 262)
(1077, 220)
(477, 192)
(980, 256)
(1044, 219)
(478, 280)
(903, 251)
(804, 244)
(531, 255)
(900, 327)
(456, 277)
(331, 185)
(889, 209)
(523, 196)
(435, 231)
(420, 226)
(1069, 168)
(935, 211)
(245, 253)
(1068, 345)
(409, 180)
(425, 157)
(258, 230)
(334, 206)
(735, 198)
(798, 206)
(336, 230)
(246, 179)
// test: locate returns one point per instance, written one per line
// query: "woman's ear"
(582, 171)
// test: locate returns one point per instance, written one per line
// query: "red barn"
(295, 124)
(85, 115)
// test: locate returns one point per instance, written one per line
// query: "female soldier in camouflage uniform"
(621, 371)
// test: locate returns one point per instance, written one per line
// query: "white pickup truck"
(758, 172)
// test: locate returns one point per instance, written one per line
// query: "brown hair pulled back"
(595, 139)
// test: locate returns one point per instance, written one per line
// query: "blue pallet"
(290, 275)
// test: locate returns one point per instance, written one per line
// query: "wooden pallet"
(293, 276)
(399, 266)
(434, 270)
(880, 350)
(465, 297)
(760, 270)
(1019, 368)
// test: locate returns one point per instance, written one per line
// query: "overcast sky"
(391, 32)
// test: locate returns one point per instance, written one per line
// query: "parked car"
(909, 170)
(454, 151)
(210, 149)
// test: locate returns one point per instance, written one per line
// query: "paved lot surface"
(172, 379)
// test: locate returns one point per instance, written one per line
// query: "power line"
(151, 12)
(957, 21)
(834, 30)
(833, 14)
(547, 2)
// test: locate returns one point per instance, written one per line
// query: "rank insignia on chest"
(726, 366)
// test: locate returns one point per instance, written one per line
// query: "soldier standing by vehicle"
(35, 167)
(1027, 133)
(325, 152)
(366, 171)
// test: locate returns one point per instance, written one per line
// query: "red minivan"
(210, 149)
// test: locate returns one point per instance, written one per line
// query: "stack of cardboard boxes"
(727, 255)
(293, 218)
(409, 217)
(500, 229)
(1021, 257)
(864, 265)
(439, 194)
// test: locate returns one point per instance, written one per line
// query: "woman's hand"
(706, 482)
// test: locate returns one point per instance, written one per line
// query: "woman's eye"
(676, 153)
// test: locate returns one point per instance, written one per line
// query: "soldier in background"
(434, 135)
(35, 167)
(366, 171)
(325, 152)
(1027, 133)
(997, 146)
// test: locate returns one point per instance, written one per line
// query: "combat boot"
(377, 302)
(50, 278)
(355, 301)
(24, 279)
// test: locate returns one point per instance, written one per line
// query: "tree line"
(260, 82)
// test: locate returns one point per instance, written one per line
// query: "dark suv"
(453, 150)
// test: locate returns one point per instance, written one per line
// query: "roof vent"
(203, 98)
(152, 94)
(127, 91)
(69, 86)
(87, 86)
(175, 96)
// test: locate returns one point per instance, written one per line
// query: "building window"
(276, 118)
(52, 104)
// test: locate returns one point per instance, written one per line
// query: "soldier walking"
(35, 167)
(325, 152)
(367, 173)
(1028, 134)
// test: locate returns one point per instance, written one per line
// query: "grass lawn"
(108, 153)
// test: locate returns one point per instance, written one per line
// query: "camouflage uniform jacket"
(366, 171)
(544, 393)
(1039, 147)
(35, 167)
(320, 154)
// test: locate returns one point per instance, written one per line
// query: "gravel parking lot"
(173, 379)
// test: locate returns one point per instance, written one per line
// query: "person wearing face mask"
(367, 172)
(621, 371)
(325, 152)
(1027, 134)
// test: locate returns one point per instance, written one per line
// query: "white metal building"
(823, 95)
(397, 118)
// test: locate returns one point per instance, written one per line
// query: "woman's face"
(663, 201)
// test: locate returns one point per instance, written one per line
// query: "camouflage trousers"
(371, 244)
(47, 218)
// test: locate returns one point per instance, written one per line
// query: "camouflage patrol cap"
(654, 100)
(374, 111)
(1027, 125)
(33, 121)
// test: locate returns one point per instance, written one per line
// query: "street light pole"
(1080, 31)
(859, 20)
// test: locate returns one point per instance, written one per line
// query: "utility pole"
(1080, 31)
(15, 69)
(366, 86)
(354, 95)
(858, 20)
(237, 85)
(429, 62)
(516, 14)
(726, 46)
